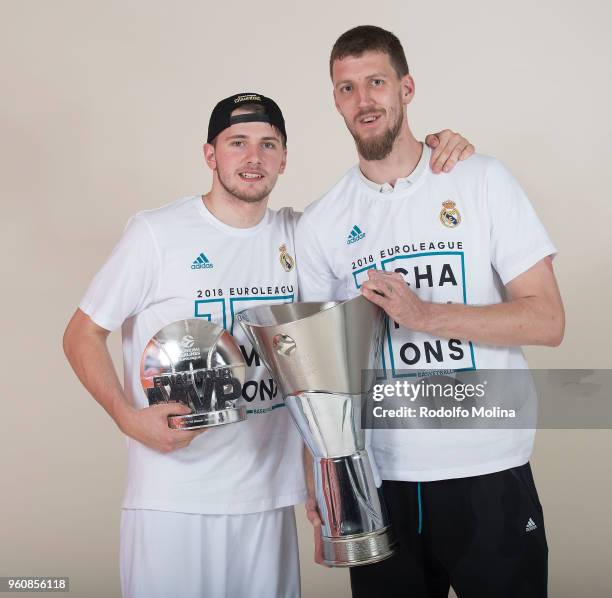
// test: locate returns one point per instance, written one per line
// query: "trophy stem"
(354, 524)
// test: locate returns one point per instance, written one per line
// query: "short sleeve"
(126, 283)
(518, 238)
(316, 280)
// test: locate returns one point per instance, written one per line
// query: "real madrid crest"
(449, 214)
(287, 262)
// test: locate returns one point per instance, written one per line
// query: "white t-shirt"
(180, 262)
(462, 252)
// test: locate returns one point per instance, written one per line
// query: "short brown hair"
(368, 38)
(251, 108)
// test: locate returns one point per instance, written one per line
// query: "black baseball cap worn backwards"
(221, 117)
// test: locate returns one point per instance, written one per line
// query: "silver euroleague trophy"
(317, 353)
(199, 364)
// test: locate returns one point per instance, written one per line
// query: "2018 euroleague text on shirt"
(455, 238)
(180, 262)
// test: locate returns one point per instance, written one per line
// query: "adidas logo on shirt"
(355, 235)
(201, 262)
(530, 525)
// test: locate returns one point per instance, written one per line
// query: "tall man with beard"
(204, 514)
(462, 266)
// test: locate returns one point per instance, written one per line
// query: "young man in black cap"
(203, 514)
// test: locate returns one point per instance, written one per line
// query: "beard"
(378, 148)
(233, 189)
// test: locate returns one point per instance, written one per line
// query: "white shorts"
(167, 555)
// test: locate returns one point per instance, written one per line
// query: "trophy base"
(359, 549)
(207, 419)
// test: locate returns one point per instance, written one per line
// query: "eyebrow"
(372, 76)
(246, 137)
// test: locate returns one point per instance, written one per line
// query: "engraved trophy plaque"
(199, 364)
(318, 353)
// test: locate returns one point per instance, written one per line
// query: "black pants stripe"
(482, 535)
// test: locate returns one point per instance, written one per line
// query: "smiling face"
(371, 97)
(247, 159)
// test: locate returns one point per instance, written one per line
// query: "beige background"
(103, 112)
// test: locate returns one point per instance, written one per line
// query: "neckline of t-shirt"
(378, 196)
(226, 228)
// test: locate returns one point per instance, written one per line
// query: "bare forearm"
(91, 361)
(533, 315)
(523, 321)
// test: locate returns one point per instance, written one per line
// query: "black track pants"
(483, 535)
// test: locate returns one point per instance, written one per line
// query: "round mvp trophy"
(317, 353)
(199, 364)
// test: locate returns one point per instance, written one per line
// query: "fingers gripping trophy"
(198, 364)
(318, 353)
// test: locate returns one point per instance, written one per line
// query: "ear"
(283, 163)
(407, 85)
(209, 156)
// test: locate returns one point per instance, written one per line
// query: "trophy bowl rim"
(330, 304)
